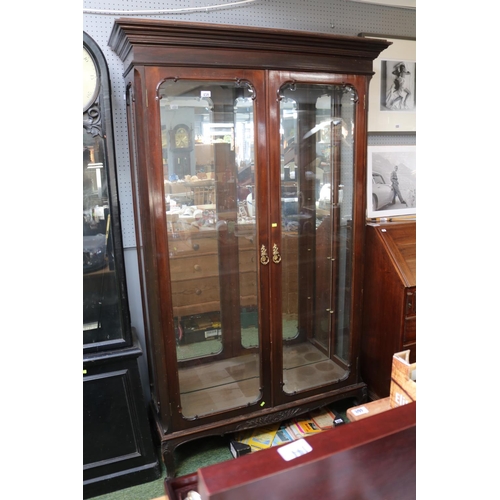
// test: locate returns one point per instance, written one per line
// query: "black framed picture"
(393, 89)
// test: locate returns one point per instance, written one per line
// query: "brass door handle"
(276, 254)
(264, 258)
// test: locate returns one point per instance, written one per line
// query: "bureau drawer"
(246, 242)
(192, 246)
(200, 266)
(247, 260)
(196, 291)
(410, 330)
(248, 289)
(248, 284)
(411, 302)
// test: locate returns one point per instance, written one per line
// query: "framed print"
(392, 181)
(392, 102)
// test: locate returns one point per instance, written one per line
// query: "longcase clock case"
(250, 242)
(118, 449)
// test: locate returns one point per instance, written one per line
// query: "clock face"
(90, 80)
(181, 138)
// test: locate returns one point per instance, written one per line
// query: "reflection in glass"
(209, 178)
(316, 127)
(101, 306)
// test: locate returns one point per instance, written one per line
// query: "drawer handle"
(276, 254)
(196, 246)
(197, 267)
(197, 291)
(264, 258)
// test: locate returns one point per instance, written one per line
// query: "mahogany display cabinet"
(390, 301)
(248, 167)
(118, 449)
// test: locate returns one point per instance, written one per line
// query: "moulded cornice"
(131, 33)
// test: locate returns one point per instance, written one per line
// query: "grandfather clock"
(181, 144)
(118, 450)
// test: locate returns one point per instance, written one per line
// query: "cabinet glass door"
(316, 189)
(210, 193)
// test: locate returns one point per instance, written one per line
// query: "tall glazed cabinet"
(248, 152)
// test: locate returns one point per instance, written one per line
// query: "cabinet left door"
(200, 181)
(118, 449)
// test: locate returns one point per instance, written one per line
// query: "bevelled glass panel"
(210, 192)
(317, 162)
(102, 314)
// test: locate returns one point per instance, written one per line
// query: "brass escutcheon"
(276, 254)
(264, 258)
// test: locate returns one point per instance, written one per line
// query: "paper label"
(359, 411)
(294, 450)
(211, 333)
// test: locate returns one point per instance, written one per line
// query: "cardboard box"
(403, 380)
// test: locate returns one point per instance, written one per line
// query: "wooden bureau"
(194, 272)
(389, 301)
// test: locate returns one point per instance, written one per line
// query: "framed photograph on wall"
(392, 101)
(392, 181)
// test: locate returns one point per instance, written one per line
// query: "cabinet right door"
(312, 228)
